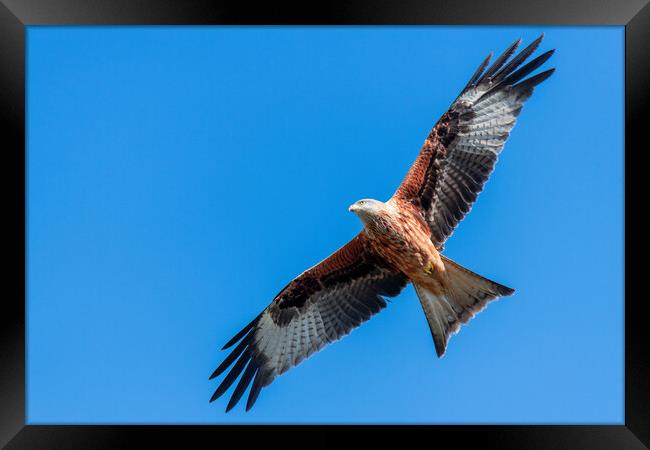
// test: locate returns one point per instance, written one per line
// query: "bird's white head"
(367, 209)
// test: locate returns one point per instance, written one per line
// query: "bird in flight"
(401, 241)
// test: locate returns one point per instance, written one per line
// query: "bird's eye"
(362, 202)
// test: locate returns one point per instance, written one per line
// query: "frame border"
(16, 15)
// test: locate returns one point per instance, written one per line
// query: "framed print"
(185, 249)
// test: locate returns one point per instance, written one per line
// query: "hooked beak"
(353, 207)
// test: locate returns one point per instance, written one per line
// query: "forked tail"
(466, 295)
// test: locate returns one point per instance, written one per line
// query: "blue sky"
(178, 178)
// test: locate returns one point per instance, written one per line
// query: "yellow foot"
(430, 268)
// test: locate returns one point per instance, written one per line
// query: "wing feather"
(461, 150)
(318, 307)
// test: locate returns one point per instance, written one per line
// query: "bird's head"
(367, 209)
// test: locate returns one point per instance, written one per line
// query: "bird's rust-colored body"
(401, 242)
(401, 237)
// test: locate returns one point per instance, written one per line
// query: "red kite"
(401, 241)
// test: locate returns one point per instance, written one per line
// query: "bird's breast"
(403, 242)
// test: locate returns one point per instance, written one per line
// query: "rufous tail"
(466, 294)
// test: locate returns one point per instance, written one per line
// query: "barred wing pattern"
(461, 150)
(320, 306)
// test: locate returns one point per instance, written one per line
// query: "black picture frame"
(15, 15)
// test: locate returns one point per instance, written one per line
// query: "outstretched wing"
(320, 306)
(460, 152)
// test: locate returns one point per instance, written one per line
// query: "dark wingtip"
(215, 396)
(243, 361)
(515, 45)
(478, 73)
(235, 339)
(527, 69)
(218, 371)
(538, 41)
(241, 333)
(500, 61)
(508, 69)
(241, 348)
(537, 79)
(513, 48)
(244, 381)
(255, 389)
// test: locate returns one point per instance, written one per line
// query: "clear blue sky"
(178, 178)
